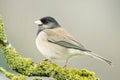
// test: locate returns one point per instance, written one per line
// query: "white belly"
(49, 50)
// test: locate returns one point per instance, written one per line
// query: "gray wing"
(62, 38)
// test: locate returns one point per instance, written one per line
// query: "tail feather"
(91, 54)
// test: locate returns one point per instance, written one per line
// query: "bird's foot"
(65, 66)
(49, 60)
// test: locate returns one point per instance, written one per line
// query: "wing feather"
(61, 37)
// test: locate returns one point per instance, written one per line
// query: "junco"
(54, 42)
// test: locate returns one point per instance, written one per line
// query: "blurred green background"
(95, 23)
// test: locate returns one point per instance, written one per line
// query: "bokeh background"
(95, 23)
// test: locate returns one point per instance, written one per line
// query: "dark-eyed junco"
(56, 43)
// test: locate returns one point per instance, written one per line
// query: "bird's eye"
(45, 21)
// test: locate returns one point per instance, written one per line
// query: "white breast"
(49, 50)
(42, 45)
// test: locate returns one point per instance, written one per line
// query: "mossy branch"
(27, 67)
(11, 75)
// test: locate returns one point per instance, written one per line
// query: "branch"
(12, 76)
(27, 67)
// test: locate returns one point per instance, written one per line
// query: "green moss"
(27, 67)
(12, 76)
(2, 32)
(37, 79)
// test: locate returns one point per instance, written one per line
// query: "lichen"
(12, 76)
(2, 32)
(27, 67)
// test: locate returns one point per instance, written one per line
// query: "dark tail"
(91, 54)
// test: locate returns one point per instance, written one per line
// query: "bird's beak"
(38, 22)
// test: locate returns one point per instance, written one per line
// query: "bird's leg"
(46, 59)
(49, 60)
(66, 62)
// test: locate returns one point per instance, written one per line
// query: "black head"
(47, 23)
(50, 22)
(47, 20)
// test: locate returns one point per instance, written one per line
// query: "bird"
(54, 42)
